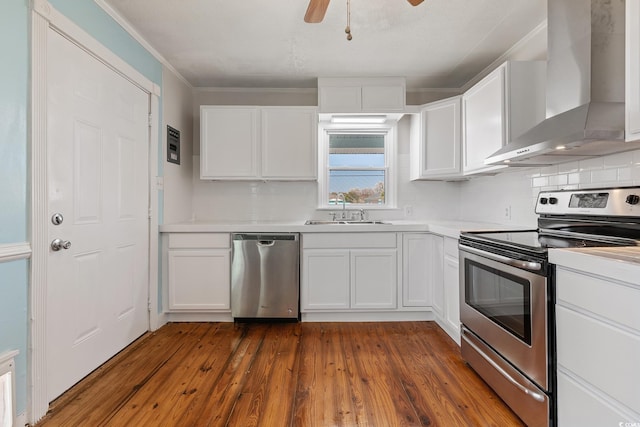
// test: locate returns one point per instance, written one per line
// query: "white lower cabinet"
(326, 279)
(342, 271)
(598, 348)
(437, 267)
(198, 267)
(374, 278)
(421, 270)
(448, 317)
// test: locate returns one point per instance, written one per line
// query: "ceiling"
(266, 43)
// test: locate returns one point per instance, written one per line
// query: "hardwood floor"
(285, 374)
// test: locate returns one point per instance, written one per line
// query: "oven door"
(506, 307)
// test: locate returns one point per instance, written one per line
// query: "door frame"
(45, 18)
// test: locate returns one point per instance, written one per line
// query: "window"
(357, 163)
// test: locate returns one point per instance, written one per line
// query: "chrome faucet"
(344, 203)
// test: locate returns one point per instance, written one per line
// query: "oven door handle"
(526, 265)
(534, 394)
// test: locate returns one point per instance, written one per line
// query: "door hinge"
(150, 119)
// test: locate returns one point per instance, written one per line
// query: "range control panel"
(624, 201)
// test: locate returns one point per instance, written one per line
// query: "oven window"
(501, 297)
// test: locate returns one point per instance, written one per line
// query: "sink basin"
(328, 222)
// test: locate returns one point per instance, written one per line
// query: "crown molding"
(129, 28)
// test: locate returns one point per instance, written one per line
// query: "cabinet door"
(452, 292)
(325, 279)
(580, 405)
(484, 126)
(416, 270)
(289, 143)
(383, 99)
(435, 146)
(229, 142)
(340, 99)
(199, 279)
(374, 281)
(437, 274)
(451, 276)
(361, 95)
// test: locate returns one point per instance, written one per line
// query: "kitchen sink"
(329, 222)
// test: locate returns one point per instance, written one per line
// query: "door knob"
(58, 244)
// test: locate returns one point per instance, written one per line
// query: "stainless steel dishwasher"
(265, 275)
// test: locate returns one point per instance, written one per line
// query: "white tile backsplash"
(605, 176)
(541, 181)
(618, 160)
(479, 199)
(559, 180)
(591, 164)
(571, 167)
(521, 188)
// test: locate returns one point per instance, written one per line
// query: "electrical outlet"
(408, 210)
(507, 212)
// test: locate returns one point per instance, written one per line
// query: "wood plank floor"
(285, 374)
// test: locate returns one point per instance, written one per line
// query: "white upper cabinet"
(229, 142)
(435, 141)
(503, 105)
(361, 95)
(249, 143)
(289, 148)
(632, 84)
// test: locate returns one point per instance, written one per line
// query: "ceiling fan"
(317, 9)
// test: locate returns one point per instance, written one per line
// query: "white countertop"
(618, 263)
(445, 228)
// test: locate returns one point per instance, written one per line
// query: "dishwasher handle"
(264, 239)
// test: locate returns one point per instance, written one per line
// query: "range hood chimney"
(585, 87)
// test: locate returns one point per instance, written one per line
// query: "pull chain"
(348, 29)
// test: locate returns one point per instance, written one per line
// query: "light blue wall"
(14, 175)
(95, 21)
(14, 91)
(13, 321)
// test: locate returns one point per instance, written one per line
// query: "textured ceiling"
(266, 43)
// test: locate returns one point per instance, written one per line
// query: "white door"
(98, 181)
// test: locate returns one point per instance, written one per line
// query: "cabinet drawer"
(348, 240)
(579, 406)
(601, 354)
(199, 240)
(451, 247)
(613, 301)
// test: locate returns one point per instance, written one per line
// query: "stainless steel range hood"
(585, 88)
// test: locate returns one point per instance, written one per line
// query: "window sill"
(357, 208)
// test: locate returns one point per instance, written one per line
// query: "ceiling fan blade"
(316, 10)
(415, 2)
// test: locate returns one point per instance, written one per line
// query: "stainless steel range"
(507, 291)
